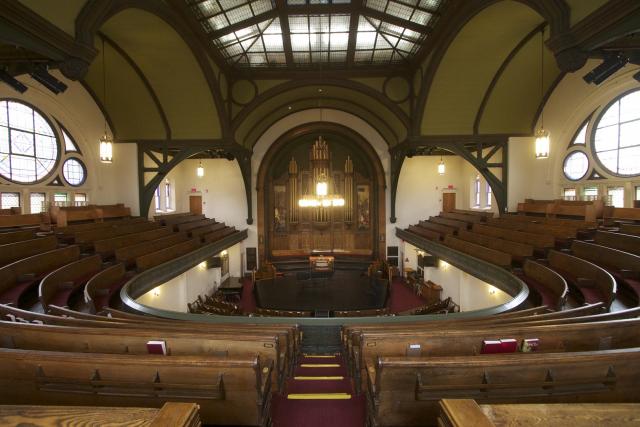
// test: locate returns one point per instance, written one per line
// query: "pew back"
(15, 251)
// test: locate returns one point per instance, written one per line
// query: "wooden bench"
(632, 229)
(622, 242)
(19, 277)
(165, 216)
(549, 286)
(493, 256)
(592, 282)
(11, 252)
(560, 233)
(421, 231)
(539, 241)
(519, 251)
(612, 214)
(573, 223)
(90, 236)
(183, 219)
(229, 391)
(188, 226)
(219, 234)
(442, 230)
(280, 313)
(171, 414)
(60, 285)
(107, 247)
(64, 215)
(104, 285)
(16, 236)
(201, 231)
(405, 391)
(453, 223)
(128, 254)
(161, 256)
(70, 229)
(39, 221)
(623, 266)
(362, 313)
(465, 412)
(462, 217)
(482, 214)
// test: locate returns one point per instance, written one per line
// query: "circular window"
(616, 141)
(74, 172)
(576, 165)
(28, 145)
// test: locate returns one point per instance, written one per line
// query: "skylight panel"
(365, 40)
(239, 14)
(399, 10)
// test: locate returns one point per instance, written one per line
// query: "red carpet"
(402, 297)
(316, 411)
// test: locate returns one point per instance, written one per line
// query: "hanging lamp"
(106, 141)
(441, 167)
(542, 136)
(200, 170)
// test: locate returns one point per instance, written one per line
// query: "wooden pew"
(107, 247)
(462, 217)
(104, 285)
(38, 221)
(70, 229)
(171, 414)
(559, 232)
(163, 217)
(623, 266)
(519, 251)
(219, 234)
(493, 256)
(538, 241)
(550, 287)
(482, 214)
(161, 256)
(593, 283)
(15, 251)
(421, 231)
(280, 313)
(442, 230)
(90, 236)
(633, 229)
(463, 412)
(183, 219)
(454, 223)
(621, 214)
(188, 226)
(17, 278)
(229, 391)
(64, 215)
(59, 286)
(573, 223)
(622, 242)
(128, 254)
(211, 341)
(405, 391)
(201, 231)
(16, 236)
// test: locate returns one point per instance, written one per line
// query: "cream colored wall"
(464, 289)
(78, 113)
(185, 288)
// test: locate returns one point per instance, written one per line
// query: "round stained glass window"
(74, 172)
(576, 165)
(28, 145)
(616, 140)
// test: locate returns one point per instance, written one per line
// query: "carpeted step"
(317, 370)
(319, 385)
(321, 413)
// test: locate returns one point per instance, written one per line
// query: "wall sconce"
(156, 292)
(444, 265)
(492, 290)
(203, 265)
(224, 253)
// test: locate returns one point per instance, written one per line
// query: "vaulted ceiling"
(226, 70)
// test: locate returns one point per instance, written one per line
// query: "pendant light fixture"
(200, 170)
(441, 167)
(106, 142)
(542, 136)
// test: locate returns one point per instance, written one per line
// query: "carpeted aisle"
(402, 297)
(247, 299)
(321, 393)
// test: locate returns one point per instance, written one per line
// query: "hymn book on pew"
(157, 347)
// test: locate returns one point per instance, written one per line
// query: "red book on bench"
(509, 345)
(491, 347)
(157, 347)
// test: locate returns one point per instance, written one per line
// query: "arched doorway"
(284, 176)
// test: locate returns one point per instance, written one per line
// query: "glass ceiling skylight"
(251, 33)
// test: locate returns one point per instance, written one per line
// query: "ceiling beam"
(353, 31)
(242, 24)
(281, 5)
(396, 21)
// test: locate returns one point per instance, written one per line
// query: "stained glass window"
(74, 172)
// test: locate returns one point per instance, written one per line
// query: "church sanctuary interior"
(312, 213)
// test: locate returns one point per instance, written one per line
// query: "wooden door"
(195, 205)
(448, 202)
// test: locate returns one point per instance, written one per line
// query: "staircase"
(320, 393)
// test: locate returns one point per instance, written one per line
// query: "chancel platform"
(343, 290)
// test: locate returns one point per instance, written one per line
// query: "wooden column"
(293, 191)
(348, 190)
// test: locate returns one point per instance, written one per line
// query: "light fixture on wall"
(441, 167)
(200, 170)
(106, 142)
(542, 136)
